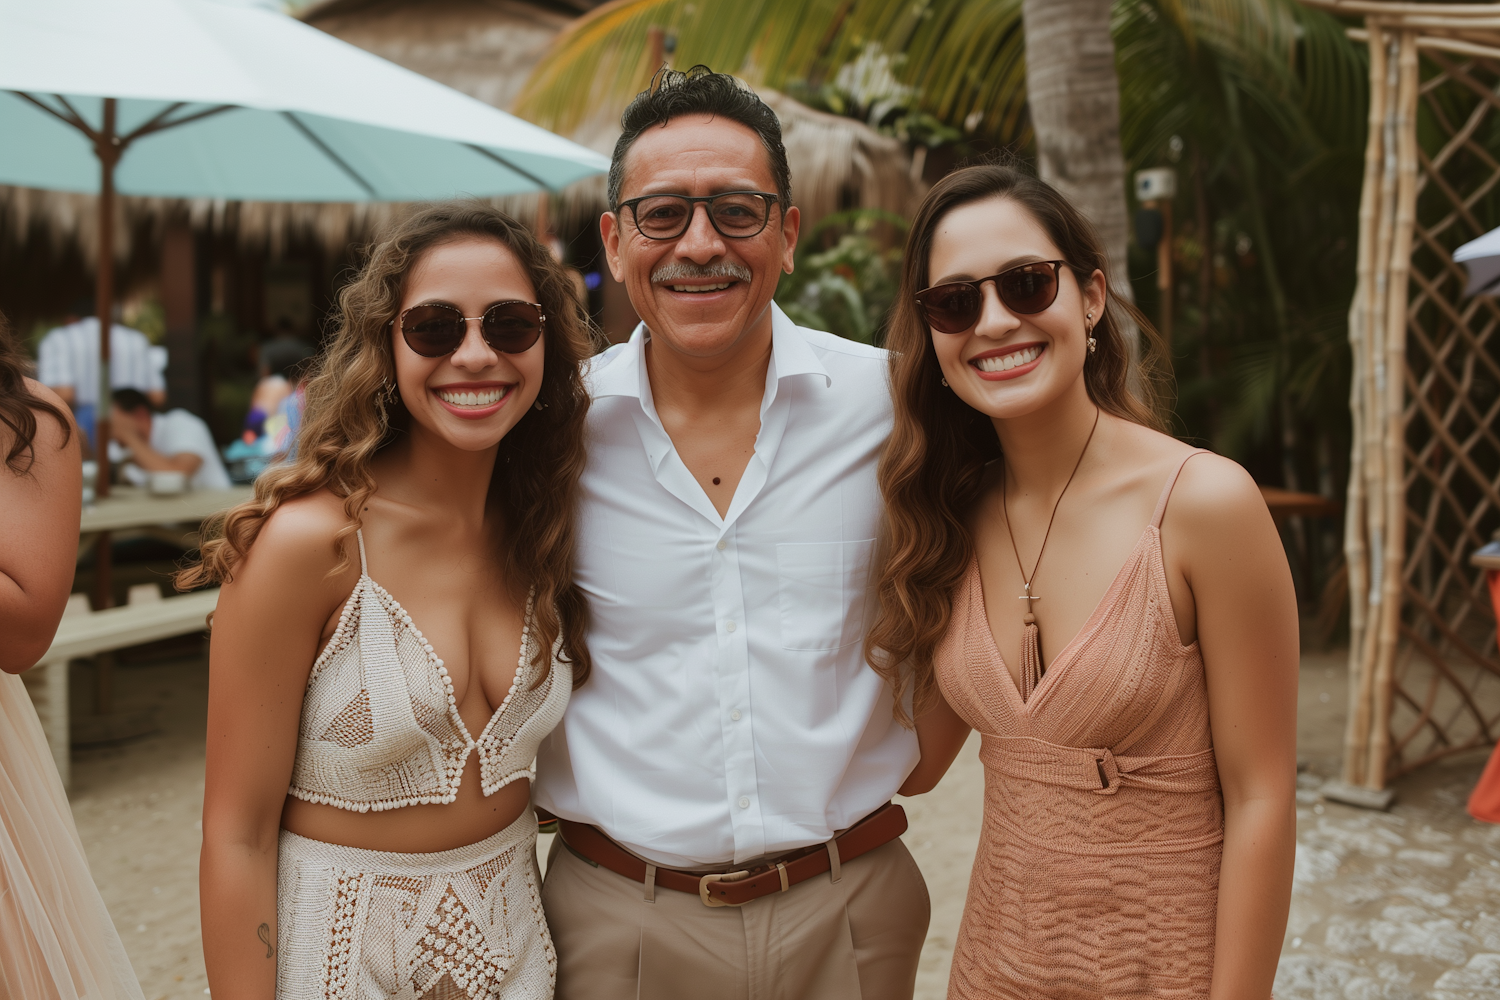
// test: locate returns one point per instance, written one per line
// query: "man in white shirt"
(723, 777)
(68, 364)
(175, 441)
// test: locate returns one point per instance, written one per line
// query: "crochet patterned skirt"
(464, 924)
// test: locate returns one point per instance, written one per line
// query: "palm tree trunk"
(1074, 96)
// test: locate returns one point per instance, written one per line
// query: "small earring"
(943, 380)
(539, 406)
(388, 389)
(1093, 344)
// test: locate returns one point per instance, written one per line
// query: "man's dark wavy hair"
(700, 90)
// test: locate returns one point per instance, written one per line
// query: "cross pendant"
(1027, 596)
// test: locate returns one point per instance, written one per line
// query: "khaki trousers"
(855, 939)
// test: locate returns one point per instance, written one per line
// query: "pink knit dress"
(1098, 867)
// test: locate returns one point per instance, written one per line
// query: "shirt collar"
(624, 374)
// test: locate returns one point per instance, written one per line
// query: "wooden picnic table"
(134, 507)
(1287, 503)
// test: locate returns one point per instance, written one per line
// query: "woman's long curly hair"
(932, 471)
(19, 407)
(349, 419)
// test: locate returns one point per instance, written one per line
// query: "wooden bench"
(86, 633)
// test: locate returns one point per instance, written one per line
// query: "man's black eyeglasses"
(737, 215)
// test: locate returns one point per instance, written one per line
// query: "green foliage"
(1260, 106)
(847, 287)
(148, 316)
(868, 89)
(964, 60)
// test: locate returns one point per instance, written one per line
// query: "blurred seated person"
(68, 364)
(175, 441)
(283, 425)
(282, 359)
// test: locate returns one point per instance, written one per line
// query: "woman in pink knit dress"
(1110, 608)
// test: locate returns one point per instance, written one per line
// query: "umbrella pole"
(106, 147)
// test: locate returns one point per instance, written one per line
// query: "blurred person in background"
(282, 361)
(56, 938)
(68, 364)
(175, 441)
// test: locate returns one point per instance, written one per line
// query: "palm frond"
(966, 58)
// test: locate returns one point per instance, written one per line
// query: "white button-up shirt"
(730, 713)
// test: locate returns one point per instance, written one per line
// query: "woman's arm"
(940, 735)
(1232, 558)
(123, 429)
(38, 537)
(265, 636)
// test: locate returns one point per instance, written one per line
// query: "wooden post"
(1356, 552)
(656, 49)
(1393, 348)
(107, 146)
(179, 302)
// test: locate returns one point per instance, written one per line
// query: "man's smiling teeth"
(468, 397)
(1005, 362)
(700, 288)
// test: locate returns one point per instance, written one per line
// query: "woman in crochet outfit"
(56, 938)
(367, 830)
(1110, 608)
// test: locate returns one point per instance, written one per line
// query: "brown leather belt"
(738, 888)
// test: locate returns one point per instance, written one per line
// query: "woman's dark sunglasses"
(437, 329)
(1026, 289)
(738, 215)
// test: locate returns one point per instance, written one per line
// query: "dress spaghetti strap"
(1166, 492)
(364, 569)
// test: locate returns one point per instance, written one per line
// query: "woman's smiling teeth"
(472, 397)
(1005, 362)
(700, 288)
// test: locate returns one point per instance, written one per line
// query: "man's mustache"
(678, 270)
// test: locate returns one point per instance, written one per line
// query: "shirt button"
(735, 715)
(722, 545)
(744, 802)
(729, 626)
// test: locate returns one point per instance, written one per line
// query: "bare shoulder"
(42, 392)
(298, 540)
(1216, 520)
(50, 434)
(1212, 488)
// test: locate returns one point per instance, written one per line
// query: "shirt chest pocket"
(823, 589)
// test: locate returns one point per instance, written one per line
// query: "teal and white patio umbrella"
(215, 99)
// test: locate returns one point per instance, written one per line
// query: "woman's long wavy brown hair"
(19, 407)
(349, 419)
(932, 471)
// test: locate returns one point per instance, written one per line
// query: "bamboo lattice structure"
(1424, 479)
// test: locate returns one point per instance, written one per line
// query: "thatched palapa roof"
(487, 49)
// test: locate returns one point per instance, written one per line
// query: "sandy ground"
(1387, 906)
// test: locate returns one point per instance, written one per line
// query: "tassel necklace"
(1031, 651)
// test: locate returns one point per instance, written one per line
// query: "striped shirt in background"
(68, 357)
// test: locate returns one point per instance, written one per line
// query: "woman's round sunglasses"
(955, 306)
(436, 330)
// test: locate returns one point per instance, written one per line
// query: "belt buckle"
(711, 878)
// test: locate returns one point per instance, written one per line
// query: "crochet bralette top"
(380, 727)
